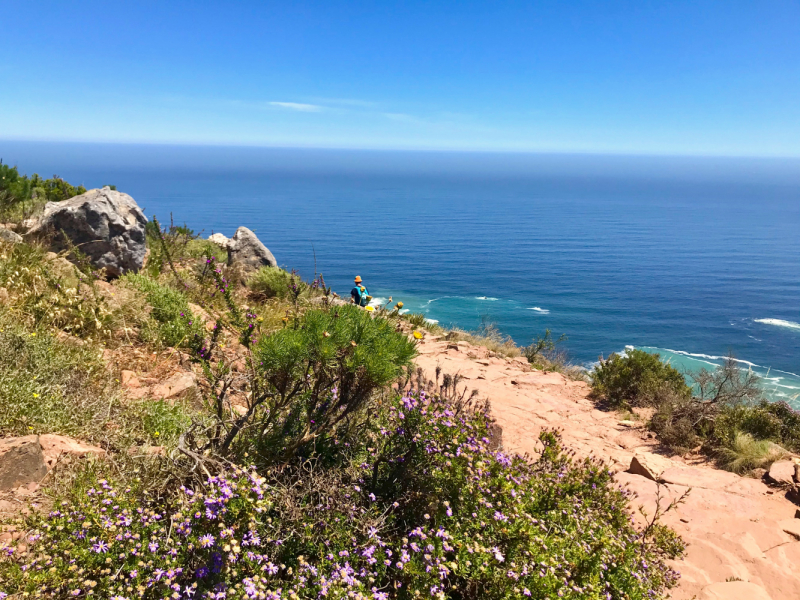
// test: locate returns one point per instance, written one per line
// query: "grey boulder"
(21, 461)
(9, 237)
(247, 252)
(105, 225)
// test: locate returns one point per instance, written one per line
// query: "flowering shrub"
(420, 508)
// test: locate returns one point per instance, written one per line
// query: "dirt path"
(736, 528)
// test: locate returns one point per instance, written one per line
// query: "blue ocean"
(693, 258)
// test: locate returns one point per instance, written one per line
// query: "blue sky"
(622, 77)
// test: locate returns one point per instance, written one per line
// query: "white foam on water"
(543, 311)
(403, 311)
(432, 321)
(485, 298)
(779, 323)
(378, 301)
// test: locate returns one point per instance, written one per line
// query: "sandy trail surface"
(743, 540)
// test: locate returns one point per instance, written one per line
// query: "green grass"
(746, 453)
(171, 322)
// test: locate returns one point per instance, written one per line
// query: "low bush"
(420, 507)
(21, 196)
(49, 291)
(488, 336)
(633, 378)
(274, 282)
(171, 322)
(745, 453)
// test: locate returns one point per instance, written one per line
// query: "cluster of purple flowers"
(465, 517)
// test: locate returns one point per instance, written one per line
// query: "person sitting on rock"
(359, 293)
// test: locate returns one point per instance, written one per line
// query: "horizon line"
(403, 149)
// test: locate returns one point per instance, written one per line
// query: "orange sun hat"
(358, 278)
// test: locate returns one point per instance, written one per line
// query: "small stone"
(649, 465)
(177, 385)
(21, 461)
(627, 423)
(781, 473)
(9, 237)
(129, 379)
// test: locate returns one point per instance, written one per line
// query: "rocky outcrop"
(21, 461)
(219, 240)
(105, 225)
(9, 237)
(246, 252)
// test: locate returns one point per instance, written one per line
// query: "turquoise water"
(698, 256)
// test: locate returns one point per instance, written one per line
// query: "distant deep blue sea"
(689, 257)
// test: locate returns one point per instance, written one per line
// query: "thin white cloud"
(402, 117)
(298, 106)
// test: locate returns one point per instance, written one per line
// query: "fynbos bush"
(634, 378)
(444, 517)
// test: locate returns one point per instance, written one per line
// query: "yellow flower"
(418, 335)
(370, 308)
(399, 305)
(36, 395)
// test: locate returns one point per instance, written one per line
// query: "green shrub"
(171, 322)
(634, 378)
(21, 196)
(315, 377)
(419, 507)
(274, 282)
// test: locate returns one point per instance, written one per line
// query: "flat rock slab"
(699, 478)
(21, 461)
(734, 590)
(56, 447)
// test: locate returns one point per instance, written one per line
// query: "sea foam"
(543, 311)
(779, 323)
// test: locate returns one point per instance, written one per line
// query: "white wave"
(403, 311)
(432, 321)
(779, 323)
(712, 357)
(544, 311)
(378, 301)
(485, 298)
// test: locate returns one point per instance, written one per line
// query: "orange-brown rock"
(735, 527)
(58, 447)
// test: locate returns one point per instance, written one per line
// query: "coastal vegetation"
(721, 412)
(22, 196)
(306, 463)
